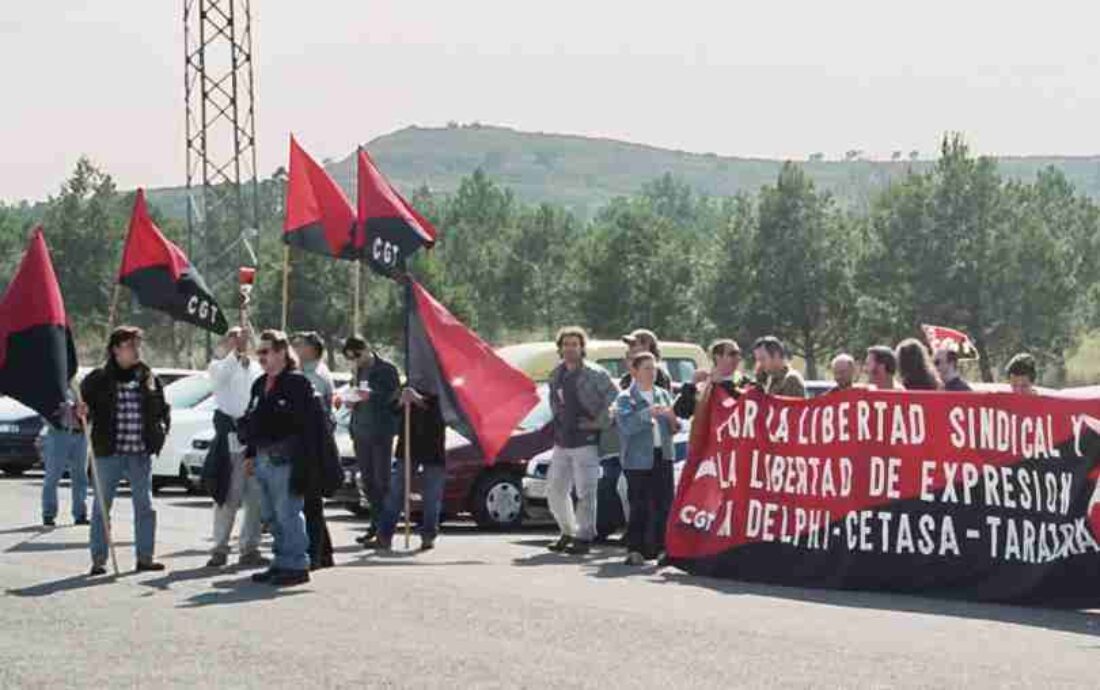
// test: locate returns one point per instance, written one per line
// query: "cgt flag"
(37, 355)
(943, 338)
(160, 275)
(480, 395)
(319, 218)
(391, 227)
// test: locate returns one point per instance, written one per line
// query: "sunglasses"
(263, 351)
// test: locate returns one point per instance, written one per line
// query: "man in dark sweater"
(427, 451)
(124, 403)
(725, 355)
(947, 364)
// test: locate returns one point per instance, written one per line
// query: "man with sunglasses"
(373, 391)
(124, 403)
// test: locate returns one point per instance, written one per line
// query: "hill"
(583, 173)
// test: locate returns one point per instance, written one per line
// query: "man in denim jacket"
(646, 424)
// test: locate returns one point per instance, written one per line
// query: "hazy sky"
(776, 79)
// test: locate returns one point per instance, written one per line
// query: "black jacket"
(292, 415)
(428, 432)
(684, 407)
(99, 389)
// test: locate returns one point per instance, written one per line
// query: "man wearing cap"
(638, 341)
(373, 391)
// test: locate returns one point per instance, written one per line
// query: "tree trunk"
(983, 357)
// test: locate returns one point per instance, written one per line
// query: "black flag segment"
(162, 278)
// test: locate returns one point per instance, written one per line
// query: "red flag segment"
(492, 395)
(319, 217)
(33, 297)
(147, 247)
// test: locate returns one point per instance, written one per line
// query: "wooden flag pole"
(100, 496)
(112, 312)
(408, 476)
(286, 285)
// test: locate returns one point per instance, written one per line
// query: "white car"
(192, 403)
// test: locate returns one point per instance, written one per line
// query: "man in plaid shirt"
(124, 403)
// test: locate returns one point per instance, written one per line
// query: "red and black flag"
(480, 395)
(161, 276)
(392, 230)
(37, 355)
(319, 218)
(944, 338)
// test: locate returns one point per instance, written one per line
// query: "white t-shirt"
(648, 397)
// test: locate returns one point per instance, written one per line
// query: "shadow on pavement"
(187, 552)
(174, 577)
(68, 584)
(400, 558)
(240, 591)
(1062, 620)
(599, 552)
(31, 546)
(205, 504)
(32, 529)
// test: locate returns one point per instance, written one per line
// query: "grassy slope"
(584, 173)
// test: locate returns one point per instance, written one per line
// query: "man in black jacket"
(428, 431)
(725, 355)
(284, 418)
(124, 402)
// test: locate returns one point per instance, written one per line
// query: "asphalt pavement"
(482, 610)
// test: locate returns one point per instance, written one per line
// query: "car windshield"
(188, 392)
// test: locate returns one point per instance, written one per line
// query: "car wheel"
(15, 471)
(498, 501)
(158, 484)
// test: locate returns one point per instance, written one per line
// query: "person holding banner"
(232, 374)
(1022, 374)
(946, 361)
(124, 403)
(779, 378)
(646, 424)
(915, 367)
(725, 356)
(881, 365)
(844, 372)
(65, 448)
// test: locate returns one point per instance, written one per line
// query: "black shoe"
(366, 536)
(48, 522)
(97, 569)
(266, 575)
(561, 544)
(81, 521)
(427, 544)
(289, 578)
(662, 560)
(578, 547)
(149, 567)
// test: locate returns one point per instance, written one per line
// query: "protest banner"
(985, 496)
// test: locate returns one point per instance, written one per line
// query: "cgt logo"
(697, 518)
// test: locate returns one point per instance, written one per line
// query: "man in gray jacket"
(580, 396)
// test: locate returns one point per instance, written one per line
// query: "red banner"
(986, 496)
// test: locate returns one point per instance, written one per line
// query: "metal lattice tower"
(222, 191)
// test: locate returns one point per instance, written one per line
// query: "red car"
(491, 494)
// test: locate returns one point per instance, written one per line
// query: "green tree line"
(954, 244)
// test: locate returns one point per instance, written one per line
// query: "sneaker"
(149, 567)
(81, 521)
(561, 544)
(266, 575)
(98, 569)
(662, 560)
(578, 547)
(366, 536)
(289, 578)
(253, 559)
(634, 558)
(48, 522)
(217, 560)
(427, 544)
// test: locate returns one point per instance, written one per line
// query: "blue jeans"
(138, 469)
(282, 509)
(432, 480)
(62, 450)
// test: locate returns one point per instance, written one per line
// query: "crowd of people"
(274, 457)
